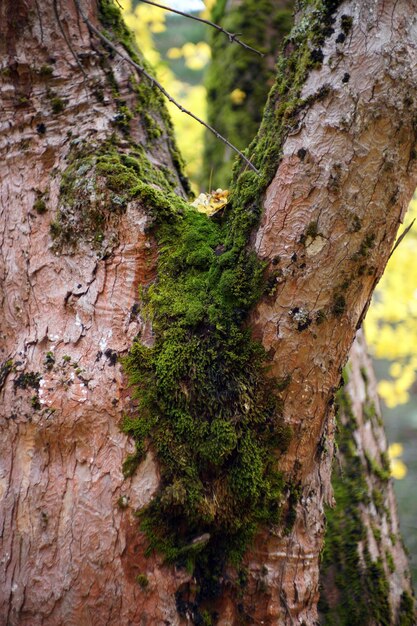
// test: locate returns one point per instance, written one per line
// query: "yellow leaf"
(174, 53)
(158, 27)
(211, 203)
(237, 96)
(398, 469)
(394, 450)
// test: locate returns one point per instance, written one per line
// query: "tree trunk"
(323, 233)
(341, 116)
(346, 594)
(365, 577)
(70, 551)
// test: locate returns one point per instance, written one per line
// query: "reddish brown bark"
(69, 553)
(331, 215)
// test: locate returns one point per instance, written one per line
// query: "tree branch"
(158, 85)
(231, 36)
(401, 237)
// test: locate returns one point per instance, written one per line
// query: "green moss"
(5, 370)
(39, 206)
(49, 360)
(293, 500)
(122, 118)
(312, 230)
(123, 502)
(362, 584)
(369, 411)
(356, 224)
(381, 472)
(151, 105)
(204, 401)
(367, 244)
(34, 401)
(57, 104)
(111, 18)
(386, 463)
(346, 23)
(376, 533)
(379, 500)
(390, 561)
(320, 317)
(131, 463)
(407, 614)
(339, 305)
(46, 71)
(152, 127)
(29, 380)
(206, 618)
(142, 580)
(96, 187)
(377, 587)
(364, 375)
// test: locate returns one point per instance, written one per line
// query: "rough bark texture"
(71, 552)
(365, 577)
(330, 217)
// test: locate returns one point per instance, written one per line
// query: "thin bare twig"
(401, 237)
(158, 85)
(233, 37)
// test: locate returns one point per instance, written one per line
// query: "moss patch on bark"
(362, 584)
(205, 402)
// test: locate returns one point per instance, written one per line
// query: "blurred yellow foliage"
(196, 55)
(391, 323)
(174, 53)
(237, 96)
(398, 467)
(209, 6)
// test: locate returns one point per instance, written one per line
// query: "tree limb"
(401, 237)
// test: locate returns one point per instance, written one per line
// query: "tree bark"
(71, 549)
(330, 218)
(365, 577)
(70, 553)
(361, 426)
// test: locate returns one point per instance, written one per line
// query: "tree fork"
(62, 478)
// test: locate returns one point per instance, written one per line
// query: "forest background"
(179, 51)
